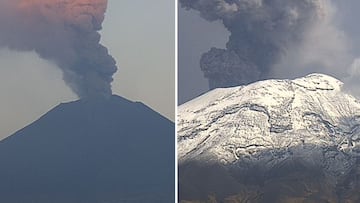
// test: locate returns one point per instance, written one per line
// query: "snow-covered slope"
(270, 122)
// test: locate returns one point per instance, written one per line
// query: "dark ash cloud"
(261, 34)
(65, 32)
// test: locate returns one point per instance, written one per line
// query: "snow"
(309, 117)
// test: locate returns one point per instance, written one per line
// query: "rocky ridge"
(273, 131)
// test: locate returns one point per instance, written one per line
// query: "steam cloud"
(65, 32)
(261, 33)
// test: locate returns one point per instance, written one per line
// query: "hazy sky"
(141, 37)
(197, 36)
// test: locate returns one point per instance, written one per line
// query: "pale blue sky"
(141, 37)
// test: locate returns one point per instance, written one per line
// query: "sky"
(195, 37)
(331, 50)
(140, 38)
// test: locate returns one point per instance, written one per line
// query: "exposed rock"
(271, 141)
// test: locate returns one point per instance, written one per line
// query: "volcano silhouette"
(90, 151)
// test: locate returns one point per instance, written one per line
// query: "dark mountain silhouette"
(90, 151)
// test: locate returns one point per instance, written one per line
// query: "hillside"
(90, 151)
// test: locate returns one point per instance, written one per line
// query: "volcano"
(90, 151)
(273, 141)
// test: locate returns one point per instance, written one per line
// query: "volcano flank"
(280, 141)
(90, 151)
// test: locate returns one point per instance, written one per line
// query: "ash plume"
(261, 32)
(65, 32)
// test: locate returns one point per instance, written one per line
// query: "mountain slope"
(271, 141)
(90, 151)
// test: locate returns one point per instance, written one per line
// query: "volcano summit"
(271, 141)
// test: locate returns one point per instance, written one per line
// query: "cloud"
(66, 33)
(278, 39)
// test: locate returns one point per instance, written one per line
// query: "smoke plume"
(65, 32)
(261, 33)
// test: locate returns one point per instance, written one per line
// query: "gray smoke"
(65, 32)
(262, 31)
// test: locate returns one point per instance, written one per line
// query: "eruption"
(65, 32)
(261, 33)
